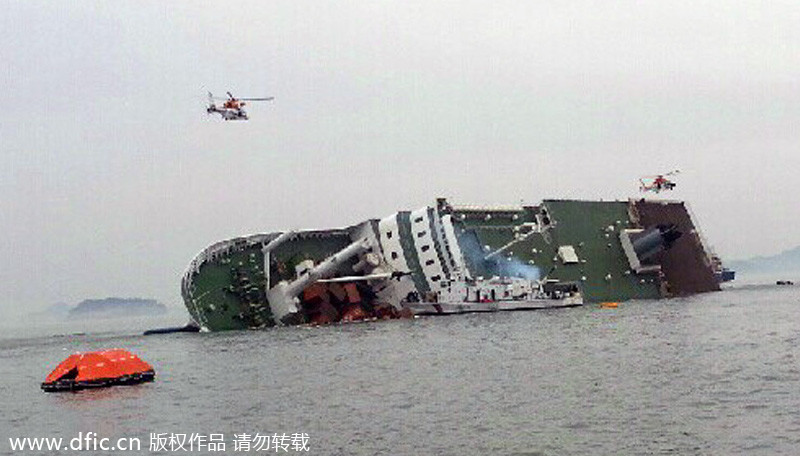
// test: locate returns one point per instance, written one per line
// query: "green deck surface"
(227, 303)
(584, 225)
(230, 292)
(587, 222)
(287, 255)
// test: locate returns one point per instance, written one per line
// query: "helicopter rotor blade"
(258, 99)
(212, 97)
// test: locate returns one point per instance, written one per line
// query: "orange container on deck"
(353, 312)
(353, 296)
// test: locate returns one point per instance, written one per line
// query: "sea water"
(711, 374)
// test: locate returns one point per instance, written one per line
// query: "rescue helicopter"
(658, 182)
(232, 108)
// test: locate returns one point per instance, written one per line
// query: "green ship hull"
(612, 250)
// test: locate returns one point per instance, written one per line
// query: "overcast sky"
(113, 177)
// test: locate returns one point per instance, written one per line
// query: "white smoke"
(514, 267)
(500, 265)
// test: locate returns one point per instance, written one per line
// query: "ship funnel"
(641, 246)
(655, 240)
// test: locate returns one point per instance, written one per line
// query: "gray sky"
(113, 177)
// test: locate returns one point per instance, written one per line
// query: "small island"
(116, 307)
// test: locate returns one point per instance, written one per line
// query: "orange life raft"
(98, 369)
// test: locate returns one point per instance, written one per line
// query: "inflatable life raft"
(97, 370)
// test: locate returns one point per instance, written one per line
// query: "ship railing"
(470, 208)
(708, 250)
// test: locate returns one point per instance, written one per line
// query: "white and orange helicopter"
(232, 108)
(658, 182)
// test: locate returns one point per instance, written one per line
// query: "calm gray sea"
(716, 374)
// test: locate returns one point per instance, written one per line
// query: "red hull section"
(686, 265)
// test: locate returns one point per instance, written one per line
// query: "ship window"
(429, 262)
(436, 278)
(418, 220)
(422, 233)
(425, 248)
(388, 235)
(394, 255)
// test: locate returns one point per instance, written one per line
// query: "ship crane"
(283, 296)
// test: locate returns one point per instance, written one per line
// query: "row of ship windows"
(435, 278)
(427, 263)
(420, 234)
(424, 248)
